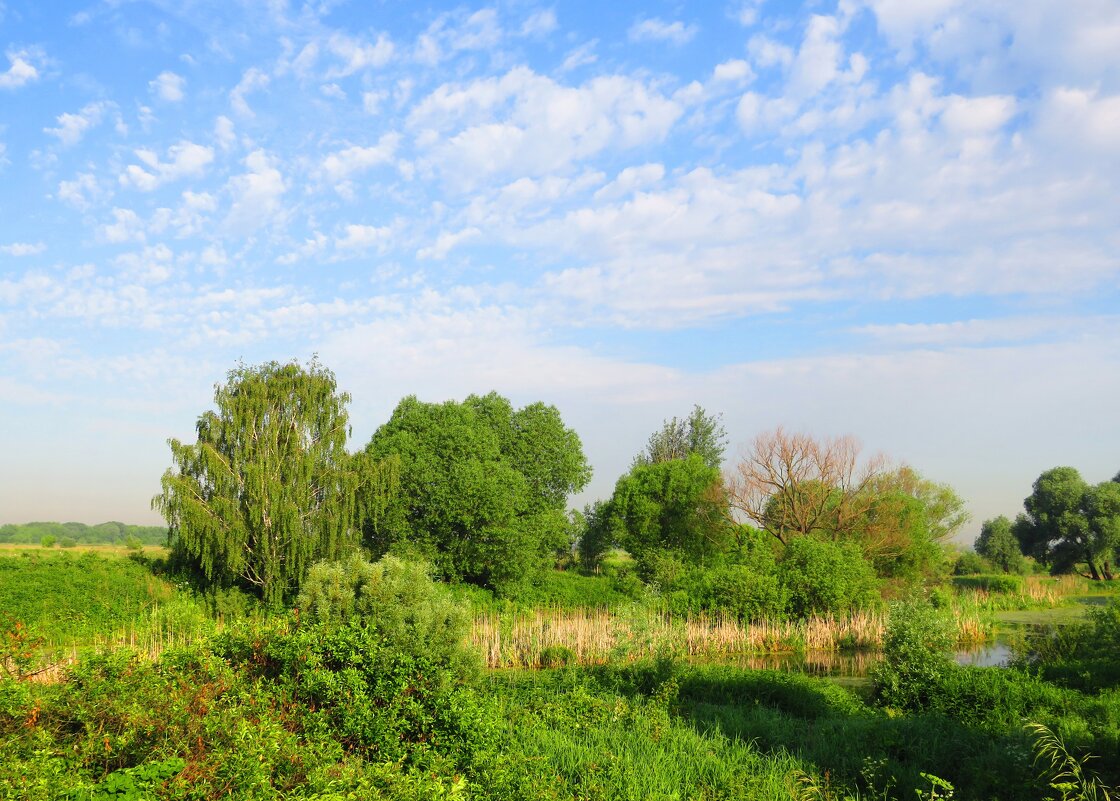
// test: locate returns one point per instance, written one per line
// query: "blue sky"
(896, 219)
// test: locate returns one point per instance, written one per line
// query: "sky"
(894, 219)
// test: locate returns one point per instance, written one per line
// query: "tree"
(997, 544)
(267, 489)
(794, 485)
(700, 433)
(483, 486)
(1068, 521)
(675, 506)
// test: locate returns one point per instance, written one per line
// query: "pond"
(848, 666)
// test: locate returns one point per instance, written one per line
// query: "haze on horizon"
(891, 220)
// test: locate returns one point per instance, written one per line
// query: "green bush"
(995, 583)
(823, 577)
(916, 657)
(971, 563)
(396, 600)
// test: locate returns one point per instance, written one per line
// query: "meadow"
(157, 690)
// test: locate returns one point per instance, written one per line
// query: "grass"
(528, 640)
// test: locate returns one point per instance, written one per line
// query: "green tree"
(997, 543)
(700, 433)
(675, 506)
(483, 486)
(1068, 521)
(267, 488)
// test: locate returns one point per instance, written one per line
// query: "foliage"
(483, 486)
(1067, 773)
(700, 433)
(1068, 521)
(66, 597)
(971, 563)
(674, 507)
(916, 657)
(395, 600)
(823, 577)
(997, 543)
(267, 488)
(794, 485)
(112, 533)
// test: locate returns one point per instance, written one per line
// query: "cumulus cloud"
(80, 192)
(656, 30)
(355, 55)
(72, 127)
(21, 69)
(251, 81)
(526, 123)
(363, 237)
(540, 23)
(185, 159)
(126, 227)
(23, 249)
(256, 193)
(168, 86)
(342, 164)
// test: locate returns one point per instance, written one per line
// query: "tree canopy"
(700, 433)
(1067, 521)
(997, 544)
(267, 489)
(483, 486)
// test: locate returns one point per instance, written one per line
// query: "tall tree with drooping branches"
(268, 487)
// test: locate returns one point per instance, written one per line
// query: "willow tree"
(268, 487)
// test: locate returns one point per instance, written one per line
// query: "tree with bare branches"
(792, 484)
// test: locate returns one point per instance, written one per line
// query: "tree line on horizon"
(479, 489)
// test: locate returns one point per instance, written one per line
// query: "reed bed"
(552, 636)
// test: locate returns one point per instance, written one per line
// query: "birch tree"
(268, 487)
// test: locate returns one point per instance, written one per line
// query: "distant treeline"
(112, 533)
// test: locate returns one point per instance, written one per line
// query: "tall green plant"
(267, 488)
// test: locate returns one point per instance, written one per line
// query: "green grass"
(86, 598)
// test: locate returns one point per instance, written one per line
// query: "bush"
(916, 657)
(997, 583)
(823, 577)
(394, 599)
(67, 542)
(971, 563)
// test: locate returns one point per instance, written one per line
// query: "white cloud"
(257, 193)
(224, 132)
(630, 180)
(458, 31)
(371, 101)
(126, 227)
(356, 55)
(72, 127)
(81, 192)
(185, 159)
(656, 30)
(168, 87)
(580, 56)
(768, 52)
(446, 241)
(364, 237)
(23, 249)
(734, 71)
(539, 23)
(341, 165)
(528, 124)
(252, 80)
(21, 70)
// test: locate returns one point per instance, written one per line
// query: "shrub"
(823, 577)
(971, 563)
(916, 657)
(48, 540)
(394, 599)
(67, 542)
